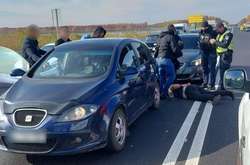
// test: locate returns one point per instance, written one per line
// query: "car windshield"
(190, 42)
(10, 60)
(74, 64)
(152, 39)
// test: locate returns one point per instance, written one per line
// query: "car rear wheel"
(117, 132)
(157, 98)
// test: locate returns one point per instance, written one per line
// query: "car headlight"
(78, 113)
(2, 115)
(197, 62)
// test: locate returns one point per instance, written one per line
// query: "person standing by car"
(224, 49)
(31, 51)
(100, 32)
(64, 34)
(208, 55)
(178, 53)
(165, 53)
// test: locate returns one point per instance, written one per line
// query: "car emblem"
(28, 118)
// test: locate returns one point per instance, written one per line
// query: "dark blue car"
(78, 98)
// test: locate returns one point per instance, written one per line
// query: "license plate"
(36, 137)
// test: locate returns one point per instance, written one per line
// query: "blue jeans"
(167, 74)
(209, 61)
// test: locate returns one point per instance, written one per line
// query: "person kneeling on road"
(196, 93)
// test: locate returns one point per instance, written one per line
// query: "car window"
(142, 52)
(128, 57)
(190, 42)
(75, 64)
(10, 60)
(151, 38)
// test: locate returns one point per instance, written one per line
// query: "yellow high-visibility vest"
(220, 38)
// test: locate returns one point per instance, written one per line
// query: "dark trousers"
(209, 61)
(225, 64)
(197, 93)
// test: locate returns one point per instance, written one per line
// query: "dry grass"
(14, 40)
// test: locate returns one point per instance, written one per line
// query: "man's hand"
(212, 41)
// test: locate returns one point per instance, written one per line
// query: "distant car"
(9, 61)
(191, 69)
(151, 41)
(83, 102)
(236, 79)
(247, 29)
(181, 27)
(48, 47)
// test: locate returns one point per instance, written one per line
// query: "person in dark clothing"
(224, 49)
(166, 52)
(179, 53)
(196, 93)
(100, 32)
(31, 51)
(64, 34)
(208, 54)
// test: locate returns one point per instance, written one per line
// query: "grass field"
(14, 40)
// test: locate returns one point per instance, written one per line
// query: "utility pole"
(55, 19)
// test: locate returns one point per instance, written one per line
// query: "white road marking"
(180, 139)
(195, 151)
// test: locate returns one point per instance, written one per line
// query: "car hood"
(51, 95)
(189, 55)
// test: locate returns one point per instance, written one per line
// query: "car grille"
(31, 147)
(29, 117)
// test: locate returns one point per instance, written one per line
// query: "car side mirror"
(17, 73)
(235, 79)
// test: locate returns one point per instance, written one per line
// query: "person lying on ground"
(196, 93)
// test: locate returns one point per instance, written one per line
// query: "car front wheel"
(117, 132)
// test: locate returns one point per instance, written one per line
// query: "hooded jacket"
(168, 46)
(31, 51)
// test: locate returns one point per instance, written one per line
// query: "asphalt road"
(181, 132)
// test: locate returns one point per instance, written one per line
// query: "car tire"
(157, 98)
(117, 132)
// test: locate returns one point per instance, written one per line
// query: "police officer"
(208, 53)
(165, 53)
(31, 51)
(224, 49)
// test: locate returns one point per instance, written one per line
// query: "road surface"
(181, 132)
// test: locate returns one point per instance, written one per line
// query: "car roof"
(104, 42)
(189, 34)
(8, 49)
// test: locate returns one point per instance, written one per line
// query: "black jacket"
(205, 36)
(61, 41)
(31, 51)
(168, 46)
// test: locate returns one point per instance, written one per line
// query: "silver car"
(10, 61)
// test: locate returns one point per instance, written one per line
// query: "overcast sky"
(15, 13)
